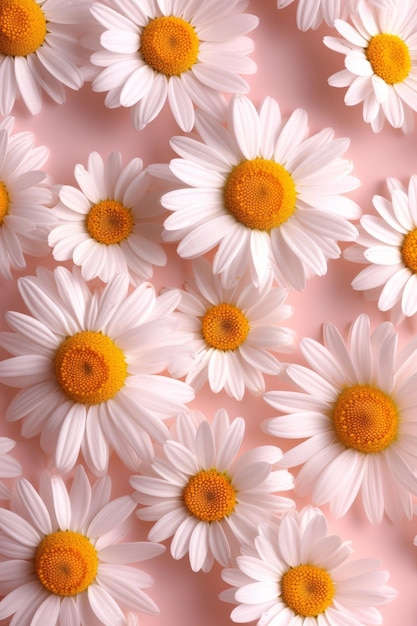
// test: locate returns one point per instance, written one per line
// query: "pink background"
(293, 67)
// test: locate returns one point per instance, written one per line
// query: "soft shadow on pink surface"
(293, 67)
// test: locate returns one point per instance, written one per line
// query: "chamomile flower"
(388, 245)
(187, 53)
(39, 51)
(298, 574)
(62, 558)
(205, 495)
(263, 191)
(90, 367)
(356, 411)
(380, 63)
(107, 226)
(234, 332)
(25, 197)
(9, 466)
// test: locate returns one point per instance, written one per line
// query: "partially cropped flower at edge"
(63, 558)
(205, 494)
(387, 244)
(25, 199)
(185, 54)
(354, 406)
(296, 573)
(91, 366)
(109, 224)
(40, 51)
(9, 466)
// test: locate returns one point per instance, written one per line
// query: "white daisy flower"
(233, 332)
(39, 51)
(9, 466)
(388, 244)
(356, 411)
(90, 367)
(107, 226)
(265, 193)
(62, 558)
(298, 574)
(207, 496)
(380, 63)
(25, 196)
(186, 53)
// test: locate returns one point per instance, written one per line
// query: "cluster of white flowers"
(105, 364)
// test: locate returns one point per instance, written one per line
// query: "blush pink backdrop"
(293, 67)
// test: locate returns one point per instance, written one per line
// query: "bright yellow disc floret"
(390, 57)
(169, 45)
(210, 496)
(22, 27)
(224, 327)
(66, 562)
(109, 222)
(307, 589)
(409, 250)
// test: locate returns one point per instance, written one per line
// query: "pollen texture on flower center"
(210, 496)
(90, 368)
(66, 562)
(22, 27)
(409, 250)
(260, 194)
(365, 419)
(390, 57)
(4, 202)
(169, 45)
(224, 327)
(109, 222)
(307, 589)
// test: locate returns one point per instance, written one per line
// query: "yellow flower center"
(307, 589)
(365, 419)
(169, 45)
(109, 222)
(210, 496)
(260, 194)
(224, 327)
(22, 27)
(89, 367)
(409, 250)
(4, 202)
(66, 562)
(390, 57)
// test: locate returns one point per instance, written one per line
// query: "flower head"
(205, 495)
(187, 53)
(296, 573)
(25, 196)
(9, 466)
(265, 193)
(234, 332)
(356, 409)
(107, 226)
(380, 63)
(90, 364)
(39, 50)
(387, 243)
(62, 559)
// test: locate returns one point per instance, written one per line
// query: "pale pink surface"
(293, 67)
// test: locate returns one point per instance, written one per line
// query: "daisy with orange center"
(262, 193)
(184, 54)
(355, 407)
(62, 558)
(387, 245)
(91, 366)
(109, 224)
(296, 573)
(205, 495)
(380, 67)
(234, 332)
(39, 51)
